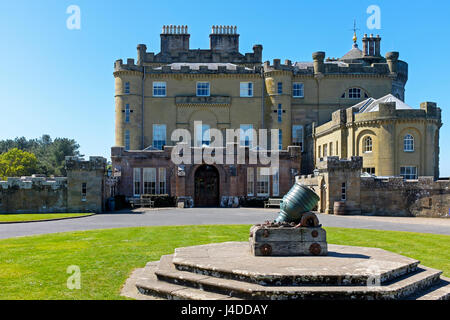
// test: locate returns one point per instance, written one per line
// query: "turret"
(318, 58)
(392, 58)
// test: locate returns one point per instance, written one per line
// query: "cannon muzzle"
(298, 200)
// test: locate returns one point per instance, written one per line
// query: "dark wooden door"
(206, 187)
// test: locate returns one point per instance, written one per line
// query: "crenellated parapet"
(77, 163)
(32, 182)
(224, 48)
(186, 68)
(335, 67)
(336, 163)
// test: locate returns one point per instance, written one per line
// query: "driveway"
(174, 216)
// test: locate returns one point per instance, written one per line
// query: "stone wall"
(36, 194)
(371, 195)
(40, 194)
(394, 196)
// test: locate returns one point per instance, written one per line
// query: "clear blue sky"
(59, 81)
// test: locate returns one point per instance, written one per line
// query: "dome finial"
(355, 38)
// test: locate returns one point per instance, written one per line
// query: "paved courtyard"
(174, 216)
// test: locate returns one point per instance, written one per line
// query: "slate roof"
(372, 105)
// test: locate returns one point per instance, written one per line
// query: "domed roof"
(354, 54)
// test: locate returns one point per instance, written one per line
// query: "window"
(280, 87)
(136, 181)
(354, 93)
(159, 136)
(320, 152)
(337, 148)
(297, 136)
(202, 135)
(127, 113)
(408, 143)
(246, 135)
(408, 172)
(246, 89)
(280, 139)
(159, 89)
(369, 170)
(83, 191)
(297, 90)
(202, 89)
(325, 149)
(331, 148)
(149, 180)
(279, 113)
(127, 139)
(127, 88)
(162, 181)
(367, 145)
(344, 191)
(276, 183)
(262, 182)
(250, 181)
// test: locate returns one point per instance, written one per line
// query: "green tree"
(50, 153)
(17, 162)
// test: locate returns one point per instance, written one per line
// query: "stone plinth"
(266, 240)
(228, 271)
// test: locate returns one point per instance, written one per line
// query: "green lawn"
(38, 216)
(35, 267)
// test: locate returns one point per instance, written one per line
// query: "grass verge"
(38, 216)
(35, 267)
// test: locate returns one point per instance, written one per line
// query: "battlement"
(34, 181)
(77, 163)
(224, 48)
(334, 163)
(333, 66)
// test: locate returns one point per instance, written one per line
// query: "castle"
(339, 125)
(348, 106)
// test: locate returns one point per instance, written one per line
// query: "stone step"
(151, 286)
(343, 266)
(439, 291)
(399, 288)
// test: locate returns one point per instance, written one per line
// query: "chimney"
(371, 46)
(174, 38)
(224, 38)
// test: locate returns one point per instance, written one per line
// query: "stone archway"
(206, 185)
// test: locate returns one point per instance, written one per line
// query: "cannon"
(295, 232)
(299, 200)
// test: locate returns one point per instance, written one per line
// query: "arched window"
(354, 93)
(408, 143)
(367, 144)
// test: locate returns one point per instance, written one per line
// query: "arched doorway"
(206, 186)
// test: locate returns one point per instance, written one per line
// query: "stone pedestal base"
(268, 240)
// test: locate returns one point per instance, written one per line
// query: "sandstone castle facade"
(344, 107)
